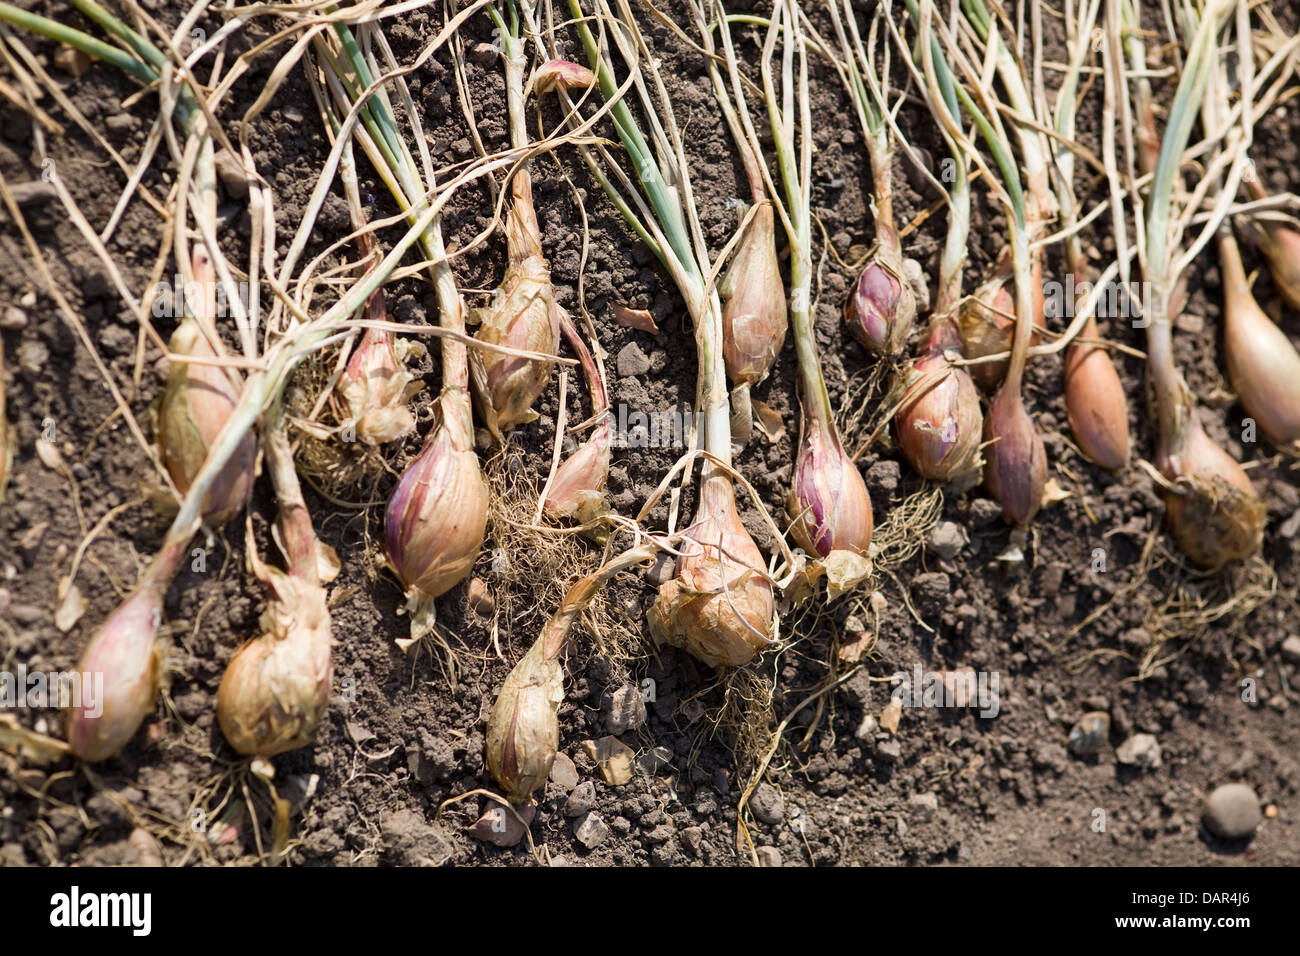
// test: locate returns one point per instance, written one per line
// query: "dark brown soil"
(1064, 636)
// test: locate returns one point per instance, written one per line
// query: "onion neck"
(1024, 278)
(890, 247)
(1173, 402)
(295, 521)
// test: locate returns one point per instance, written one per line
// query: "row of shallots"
(958, 407)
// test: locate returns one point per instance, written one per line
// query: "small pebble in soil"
(484, 54)
(882, 477)
(923, 807)
(769, 856)
(1232, 811)
(946, 540)
(479, 597)
(591, 830)
(581, 800)
(563, 772)
(1088, 735)
(500, 827)
(632, 361)
(1140, 750)
(613, 759)
(930, 592)
(691, 838)
(868, 729)
(655, 760)
(767, 804)
(1291, 649)
(984, 511)
(622, 709)
(661, 571)
(889, 751)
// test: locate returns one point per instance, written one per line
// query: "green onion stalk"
(754, 319)
(829, 506)
(940, 423)
(1212, 509)
(1016, 469)
(522, 313)
(988, 320)
(719, 604)
(881, 308)
(435, 521)
(1094, 396)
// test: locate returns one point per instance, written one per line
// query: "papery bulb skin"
(523, 731)
(120, 668)
(1263, 365)
(987, 321)
(940, 426)
(276, 687)
(719, 604)
(1095, 403)
(1015, 472)
(829, 504)
(1213, 512)
(562, 74)
(375, 386)
(880, 310)
(437, 516)
(197, 401)
(578, 489)
(520, 317)
(754, 320)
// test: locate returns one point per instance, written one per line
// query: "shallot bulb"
(520, 317)
(829, 503)
(125, 659)
(1095, 403)
(940, 423)
(197, 402)
(1016, 469)
(1212, 509)
(1262, 363)
(754, 319)
(375, 385)
(988, 321)
(437, 516)
(523, 731)
(719, 604)
(276, 687)
(881, 309)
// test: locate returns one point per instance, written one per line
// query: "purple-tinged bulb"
(829, 503)
(119, 671)
(941, 424)
(1016, 472)
(437, 516)
(880, 310)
